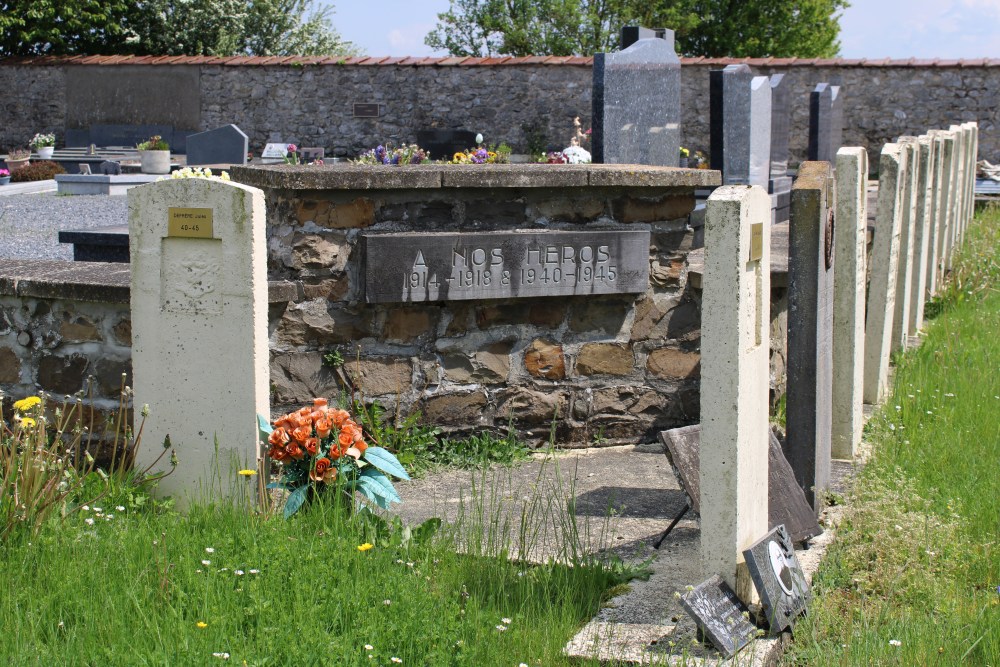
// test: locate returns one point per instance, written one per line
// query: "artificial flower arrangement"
(154, 143)
(42, 141)
(197, 172)
(322, 449)
(491, 155)
(406, 154)
(568, 155)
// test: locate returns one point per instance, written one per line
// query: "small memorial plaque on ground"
(720, 615)
(408, 267)
(274, 153)
(780, 581)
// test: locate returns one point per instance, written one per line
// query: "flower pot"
(683, 163)
(4, 180)
(14, 165)
(154, 162)
(45, 152)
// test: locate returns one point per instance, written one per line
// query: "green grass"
(129, 583)
(913, 578)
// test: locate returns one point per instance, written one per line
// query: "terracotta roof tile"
(783, 61)
(453, 60)
(950, 62)
(580, 60)
(372, 61)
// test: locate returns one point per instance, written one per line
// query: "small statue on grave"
(579, 136)
(111, 168)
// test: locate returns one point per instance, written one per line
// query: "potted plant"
(17, 158)
(44, 145)
(154, 155)
(4, 177)
(683, 161)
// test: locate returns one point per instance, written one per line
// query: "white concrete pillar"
(934, 228)
(945, 202)
(849, 230)
(885, 256)
(904, 267)
(735, 344)
(954, 197)
(199, 329)
(921, 228)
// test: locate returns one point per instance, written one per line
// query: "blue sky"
(869, 29)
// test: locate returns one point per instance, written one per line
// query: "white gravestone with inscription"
(735, 344)
(199, 328)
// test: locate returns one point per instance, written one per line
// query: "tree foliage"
(169, 27)
(715, 28)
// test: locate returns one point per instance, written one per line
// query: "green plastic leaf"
(264, 426)
(384, 483)
(295, 500)
(385, 461)
(277, 485)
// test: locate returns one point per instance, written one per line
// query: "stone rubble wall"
(311, 105)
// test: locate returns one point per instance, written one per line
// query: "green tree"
(169, 27)
(739, 28)
(37, 27)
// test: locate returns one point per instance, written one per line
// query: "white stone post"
(934, 229)
(945, 196)
(904, 267)
(735, 344)
(882, 289)
(925, 181)
(199, 329)
(849, 230)
(961, 150)
(953, 186)
(973, 161)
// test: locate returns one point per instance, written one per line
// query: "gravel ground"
(30, 224)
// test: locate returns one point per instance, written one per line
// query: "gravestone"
(223, 145)
(719, 615)
(632, 34)
(882, 286)
(784, 593)
(934, 222)
(780, 184)
(810, 329)
(740, 109)
(199, 329)
(443, 144)
(786, 504)
(735, 345)
(826, 122)
(637, 104)
(907, 223)
(849, 233)
(946, 199)
(957, 205)
(921, 227)
(274, 152)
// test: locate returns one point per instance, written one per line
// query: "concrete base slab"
(34, 187)
(99, 184)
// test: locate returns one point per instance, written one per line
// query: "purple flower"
(292, 148)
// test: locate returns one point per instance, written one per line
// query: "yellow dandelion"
(247, 472)
(202, 624)
(26, 404)
(27, 423)
(365, 547)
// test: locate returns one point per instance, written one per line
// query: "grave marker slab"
(199, 328)
(946, 203)
(786, 504)
(780, 184)
(934, 222)
(882, 287)
(826, 122)
(720, 615)
(907, 223)
(741, 125)
(810, 329)
(442, 144)
(637, 104)
(735, 344)
(223, 145)
(921, 232)
(784, 593)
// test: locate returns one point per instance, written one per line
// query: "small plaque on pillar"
(367, 110)
(779, 579)
(720, 615)
(189, 222)
(756, 241)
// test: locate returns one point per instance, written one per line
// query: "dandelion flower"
(247, 472)
(365, 547)
(202, 624)
(27, 423)
(26, 404)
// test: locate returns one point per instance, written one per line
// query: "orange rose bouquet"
(322, 448)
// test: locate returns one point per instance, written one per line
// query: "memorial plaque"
(720, 615)
(756, 241)
(366, 110)
(779, 579)
(274, 151)
(415, 267)
(189, 222)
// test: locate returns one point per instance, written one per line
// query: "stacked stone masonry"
(528, 102)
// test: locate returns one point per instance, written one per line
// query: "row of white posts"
(925, 202)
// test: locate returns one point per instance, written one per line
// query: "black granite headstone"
(443, 144)
(786, 504)
(720, 615)
(775, 570)
(809, 402)
(223, 145)
(740, 125)
(632, 34)
(826, 122)
(637, 103)
(110, 168)
(780, 125)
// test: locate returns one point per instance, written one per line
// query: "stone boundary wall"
(309, 100)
